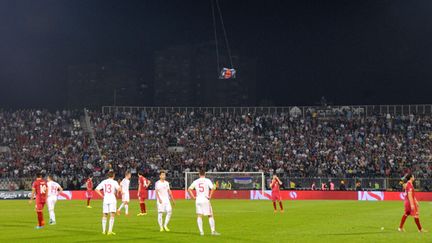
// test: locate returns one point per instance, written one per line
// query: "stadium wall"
(251, 194)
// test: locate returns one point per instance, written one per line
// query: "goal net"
(230, 180)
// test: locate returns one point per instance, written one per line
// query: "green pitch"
(236, 220)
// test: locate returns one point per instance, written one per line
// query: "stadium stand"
(294, 145)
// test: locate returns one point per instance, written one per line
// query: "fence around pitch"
(387, 184)
(249, 194)
(369, 184)
(322, 111)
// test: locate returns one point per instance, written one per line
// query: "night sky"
(351, 52)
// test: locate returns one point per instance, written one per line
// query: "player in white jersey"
(109, 187)
(163, 196)
(124, 184)
(204, 191)
(53, 190)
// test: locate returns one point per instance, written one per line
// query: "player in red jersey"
(143, 185)
(40, 190)
(275, 186)
(411, 205)
(89, 192)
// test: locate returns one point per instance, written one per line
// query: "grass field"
(237, 220)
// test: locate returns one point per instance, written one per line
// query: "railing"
(13, 184)
(302, 111)
(387, 184)
(90, 130)
(379, 184)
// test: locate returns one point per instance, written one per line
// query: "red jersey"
(41, 190)
(275, 186)
(143, 183)
(409, 188)
(89, 184)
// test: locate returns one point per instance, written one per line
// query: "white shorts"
(164, 207)
(125, 197)
(51, 201)
(204, 208)
(109, 207)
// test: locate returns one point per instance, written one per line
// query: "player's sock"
(417, 221)
(104, 220)
(88, 201)
(121, 206)
(160, 220)
(40, 218)
(52, 215)
(212, 224)
(404, 217)
(167, 218)
(281, 206)
(274, 206)
(200, 225)
(111, 224)
(144, 208)
(126, 208)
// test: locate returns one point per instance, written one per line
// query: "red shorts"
(276, 197)
(89, 194)
(408, 210)
(39, 205)
(142, 195)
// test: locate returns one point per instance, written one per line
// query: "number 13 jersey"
(110, 188)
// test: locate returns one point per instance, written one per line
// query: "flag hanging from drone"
(224, 73)
(227, 73)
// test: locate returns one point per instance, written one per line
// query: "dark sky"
(352, 52)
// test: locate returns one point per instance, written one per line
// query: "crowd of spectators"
(304, 147)
(307, 146)
(38, 140)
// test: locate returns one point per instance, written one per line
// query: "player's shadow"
(182, 233)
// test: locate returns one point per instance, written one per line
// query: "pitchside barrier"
(251, 195)
(250, 181)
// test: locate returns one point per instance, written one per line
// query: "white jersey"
(162, 188)
(53, 188)
(110, 188)
(125, 185)
(202, 188)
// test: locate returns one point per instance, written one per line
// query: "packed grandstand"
(300, 147)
